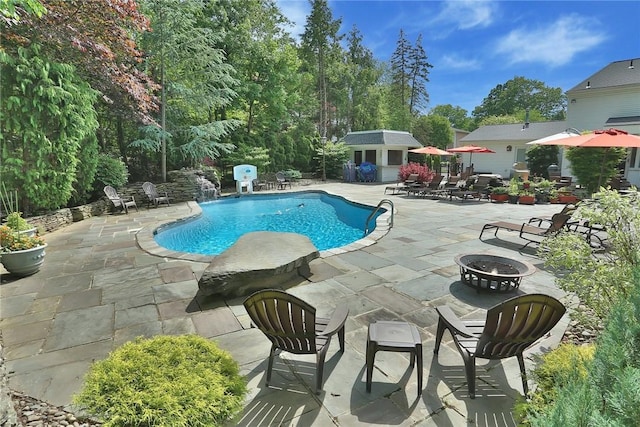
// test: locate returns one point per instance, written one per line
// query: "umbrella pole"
(604, 157)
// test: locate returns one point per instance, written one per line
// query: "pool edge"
(147, 243)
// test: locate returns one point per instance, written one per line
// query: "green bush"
(609, 395)
(594, 167)
(600, 280)
(554, 370)
(111, 171)
(164, 381)
(540, 157)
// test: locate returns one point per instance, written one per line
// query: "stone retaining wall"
(180, 186)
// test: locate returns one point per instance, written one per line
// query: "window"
(633, 158)
(357, 157)
(394, 157)
(370, 156)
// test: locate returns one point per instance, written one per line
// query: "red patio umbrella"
(602, 138)
(435, 151)
(470, 149)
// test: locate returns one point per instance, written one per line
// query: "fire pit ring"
(491, 272)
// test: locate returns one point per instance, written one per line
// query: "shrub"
(540, 157)
(609, 395)
(600, 279)
(583, 160)
(111, 171)
(554, 370)
(164, 381)
(423, 171)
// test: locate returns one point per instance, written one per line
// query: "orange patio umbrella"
(470, 149)
(435, 151)
(601, 138)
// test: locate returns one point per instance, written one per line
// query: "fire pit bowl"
(491, 272)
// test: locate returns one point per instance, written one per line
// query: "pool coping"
(147, 243)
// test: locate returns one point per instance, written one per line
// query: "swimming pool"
(329, 221)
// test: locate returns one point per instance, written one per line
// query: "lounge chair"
(119, 202)
(291, 325)
(433, 188)
(152, 195)
(282, 181)
(530, 233)
(510, 328)
(402, 186)
(567, 210)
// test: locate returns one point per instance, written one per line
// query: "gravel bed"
(35, 413)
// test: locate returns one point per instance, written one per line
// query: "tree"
(409, 71)
(399, 91)
(433, 130)
(98, 39)
(594, 167)
(47, 120)
(362, 74)
(458, 116)
(196, 82)
(520, 94)
(319, 39)
(540, 157)
(419, 74)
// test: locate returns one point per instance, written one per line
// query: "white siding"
(592, 110)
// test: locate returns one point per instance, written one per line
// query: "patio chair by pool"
(291, 325)
(530, 233)
(154, 197)
(118, 201)
(283, 181)
(509, 328)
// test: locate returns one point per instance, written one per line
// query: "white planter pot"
(24, 263)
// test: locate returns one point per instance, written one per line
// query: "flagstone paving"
(104, 283)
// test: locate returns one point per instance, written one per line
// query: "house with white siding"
(509, 143)
(610, 98)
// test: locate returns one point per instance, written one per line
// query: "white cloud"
(468, 14)
(554, 44)
(295, 11)
(457, 62)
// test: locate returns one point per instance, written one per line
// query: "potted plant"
(526, 197)
(513, 191)
(543, 190)
(565, 196)
(17, 223)
(21, 254)
(499, 194)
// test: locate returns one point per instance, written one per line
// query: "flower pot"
(513, 198)
(499, 198)
(527, 200)
(25, 262)
(566, 199)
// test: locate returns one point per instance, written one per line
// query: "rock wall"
(180, 186)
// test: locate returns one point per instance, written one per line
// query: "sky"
(474, 45)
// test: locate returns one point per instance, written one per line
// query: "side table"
(394, 336)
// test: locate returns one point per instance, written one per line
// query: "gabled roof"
(618, 73)
(382, 137)
(515, 132)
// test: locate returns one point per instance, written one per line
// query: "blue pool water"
(329, 221)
